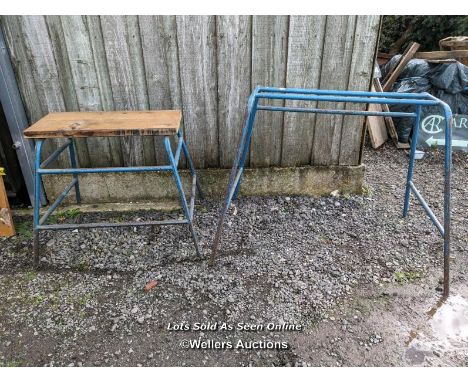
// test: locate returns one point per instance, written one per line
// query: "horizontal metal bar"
(426, 208)
(58, 201)
(327, 98)
(342, 112)
(55, 154)
(344, 92)
(102, 170)
(55, 227)
(178, 151)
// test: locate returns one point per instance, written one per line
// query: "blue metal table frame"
(40, 170)
(343, 96)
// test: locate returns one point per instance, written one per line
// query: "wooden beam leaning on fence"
(378, 126)
(374, 124)
(6, 221)
(394, 73)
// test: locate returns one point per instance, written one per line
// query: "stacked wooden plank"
(378, 126)
(452, 49)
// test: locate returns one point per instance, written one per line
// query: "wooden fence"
(205, 65)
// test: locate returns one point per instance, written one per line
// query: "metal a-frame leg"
(37, 200)
(191, 166)
(73, 162)
(409, 177)
(183, 200)
(445, 229)
(37, 190)
(236, 174)
(447, 197)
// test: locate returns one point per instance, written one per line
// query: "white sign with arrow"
(431, 132)
(431, 142)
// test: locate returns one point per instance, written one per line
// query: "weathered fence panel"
(336, 60)
(103, 80)
(49, 91)
(123, 49)
(352, 132)
(161, 58)
(196, 37)
(306, 38)
(86, 87)
(269, 56)
(205, 65)
(234, 72)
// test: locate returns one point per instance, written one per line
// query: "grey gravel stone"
(295, 259)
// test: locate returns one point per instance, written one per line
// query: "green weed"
(366, 191)
(24, 229)
(402, 277)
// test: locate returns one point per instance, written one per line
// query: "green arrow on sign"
(441, 142)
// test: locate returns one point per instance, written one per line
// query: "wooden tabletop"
(105, 124)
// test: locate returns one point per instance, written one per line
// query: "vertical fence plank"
(45, 72)
(64, 73)
(139, 80)
(269, 55)
(306, 35)
(84, 81)
(117, 40)
(103, 81)
(337, 52)
(160, 53)
(197, 61)
(23, 67)
(367, 30)
(234, 71)
(65, 77)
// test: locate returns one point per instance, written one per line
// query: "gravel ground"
(356, 277)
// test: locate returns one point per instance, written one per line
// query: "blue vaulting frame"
(419, 100)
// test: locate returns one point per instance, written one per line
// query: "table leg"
(183, 200)
(236, 174)
(73, 162)
(37, 200)
(411, 161)
(447, 197)
(191, 166)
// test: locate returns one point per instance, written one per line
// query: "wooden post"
(6, 221)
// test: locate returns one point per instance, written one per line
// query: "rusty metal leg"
(409, 177)
(222, 214)
(236, 173)
(36, 248)
(180, 189)
(447, 197)
(191, 166)
(195, 238)
(74, 164)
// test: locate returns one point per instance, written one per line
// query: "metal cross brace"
(40, 170)
(419, 100)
